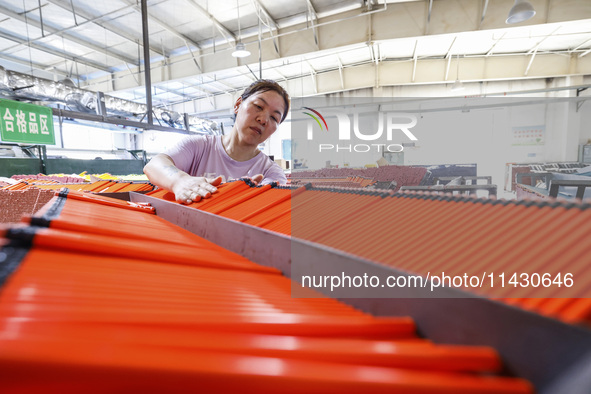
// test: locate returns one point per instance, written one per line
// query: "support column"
(146, 43)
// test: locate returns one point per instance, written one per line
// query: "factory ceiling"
(311, 46)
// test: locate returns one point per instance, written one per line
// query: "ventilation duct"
(17, 86)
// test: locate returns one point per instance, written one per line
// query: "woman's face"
(258, 116)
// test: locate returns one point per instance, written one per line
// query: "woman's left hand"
(255, 179)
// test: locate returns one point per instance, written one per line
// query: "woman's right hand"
(162, 172)
(188, 189)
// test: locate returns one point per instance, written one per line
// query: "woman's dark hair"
(264, 85)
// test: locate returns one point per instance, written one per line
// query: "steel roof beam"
(163, 24)
(228, 35)
(314, 18)
(269, 22)
(38, 66)
(93, 19)
(70, 37)
(54, 52)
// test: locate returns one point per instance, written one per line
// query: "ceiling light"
(240, 51)
(521, 11)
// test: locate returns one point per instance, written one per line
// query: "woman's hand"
(255, 179)
(188, 189)
(162, 172)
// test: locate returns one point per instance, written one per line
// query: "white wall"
(483, 137)
(585, 115)
(489, 132)
(273, 146)
(158, 141)
(585, 133)
(85, 137)
(490, 138)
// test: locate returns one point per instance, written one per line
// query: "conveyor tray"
(554, 356)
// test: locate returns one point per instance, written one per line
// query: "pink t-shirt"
(206, 156)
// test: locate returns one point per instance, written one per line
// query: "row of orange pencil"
(105, 296)
(531, 254)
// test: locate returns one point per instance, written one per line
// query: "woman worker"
(193, 168)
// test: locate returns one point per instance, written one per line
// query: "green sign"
(26, 123)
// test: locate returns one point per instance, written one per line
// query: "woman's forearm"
(162, 172)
